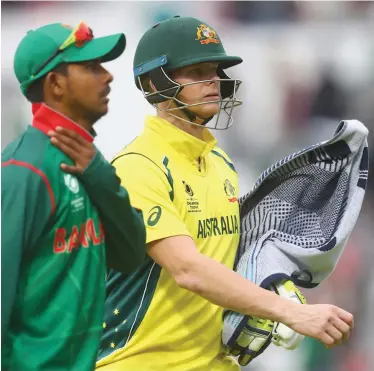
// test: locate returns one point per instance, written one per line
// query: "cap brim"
(105, 48)
(225, 61)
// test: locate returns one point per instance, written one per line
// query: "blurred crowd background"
(307, 65)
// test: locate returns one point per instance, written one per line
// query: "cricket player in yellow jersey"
(168, 314)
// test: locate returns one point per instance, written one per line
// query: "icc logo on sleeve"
(77, 199)
(72, 183)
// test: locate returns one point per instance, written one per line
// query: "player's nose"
(108, 77)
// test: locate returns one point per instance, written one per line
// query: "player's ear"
(147, 84)
(56, 81)
(151, 86)
(55, 84)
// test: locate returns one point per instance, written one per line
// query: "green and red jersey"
(58, 231)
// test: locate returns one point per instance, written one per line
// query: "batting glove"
(258, 333)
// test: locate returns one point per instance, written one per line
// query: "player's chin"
(103, 106)
(209, 110)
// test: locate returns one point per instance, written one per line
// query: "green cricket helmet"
(179, 42)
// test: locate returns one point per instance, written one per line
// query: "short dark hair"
(35, 93)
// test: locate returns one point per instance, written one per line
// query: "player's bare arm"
(220, 285)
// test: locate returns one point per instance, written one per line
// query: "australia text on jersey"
(79, 237)
(217, 226)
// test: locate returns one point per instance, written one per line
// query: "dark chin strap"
(191, 116)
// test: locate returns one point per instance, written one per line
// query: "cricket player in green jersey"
(65, 217)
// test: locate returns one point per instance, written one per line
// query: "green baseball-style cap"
(178, 42)
(43, 49)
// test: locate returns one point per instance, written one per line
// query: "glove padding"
(258, 333)
(282, 335)
(254, 338)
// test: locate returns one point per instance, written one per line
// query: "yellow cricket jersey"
(185, 186)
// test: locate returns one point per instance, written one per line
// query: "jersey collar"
(46, 119)
(182, 142)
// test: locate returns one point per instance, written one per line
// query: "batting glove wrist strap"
(282, 334)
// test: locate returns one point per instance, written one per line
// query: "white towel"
(298, 216)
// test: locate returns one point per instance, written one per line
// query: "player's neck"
(193, 130)
(79, 119)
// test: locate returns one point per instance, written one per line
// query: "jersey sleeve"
(123, 225)
(151, 192)
(27, 202)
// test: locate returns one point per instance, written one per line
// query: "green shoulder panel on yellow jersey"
(193, 192)
(220, 153)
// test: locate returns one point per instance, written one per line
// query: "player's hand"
(327, 323)
(77, 148)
